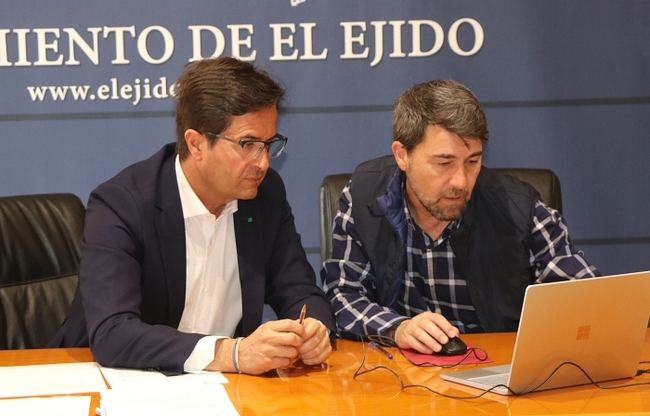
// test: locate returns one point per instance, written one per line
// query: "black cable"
(403, 386)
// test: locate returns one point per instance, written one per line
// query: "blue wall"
(566, 85)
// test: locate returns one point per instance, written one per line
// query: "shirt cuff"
(202, 355)
(386, 336)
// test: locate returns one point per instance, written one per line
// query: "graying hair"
(446, 103)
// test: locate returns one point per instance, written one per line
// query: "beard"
(444, 210)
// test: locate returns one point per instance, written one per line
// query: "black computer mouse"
(454, 346)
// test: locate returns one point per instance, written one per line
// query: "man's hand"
(425, 333)
(273, 345)
(316, 345)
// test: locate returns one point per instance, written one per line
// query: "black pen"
(381, 349)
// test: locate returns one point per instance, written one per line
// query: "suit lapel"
(250, 255)
(170, 229)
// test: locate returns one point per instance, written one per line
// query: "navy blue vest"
(491, 245)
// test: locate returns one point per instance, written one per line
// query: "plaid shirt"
(431, 272)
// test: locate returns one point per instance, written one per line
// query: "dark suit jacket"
(132, 273)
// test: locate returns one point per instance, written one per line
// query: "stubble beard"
(447, 212)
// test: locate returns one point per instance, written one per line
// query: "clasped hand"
(277, 344)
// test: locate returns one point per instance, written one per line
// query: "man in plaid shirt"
(427, 243)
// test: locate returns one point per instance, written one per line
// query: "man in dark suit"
(182, 250)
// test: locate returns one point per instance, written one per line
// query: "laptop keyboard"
(493, 380)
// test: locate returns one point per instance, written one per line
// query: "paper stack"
(142, 393)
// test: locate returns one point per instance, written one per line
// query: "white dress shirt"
(213, 303)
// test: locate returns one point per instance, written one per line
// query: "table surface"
(331, 389)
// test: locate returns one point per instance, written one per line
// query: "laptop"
(598, 323)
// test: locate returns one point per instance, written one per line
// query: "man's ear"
(195, 142)
(400, 154)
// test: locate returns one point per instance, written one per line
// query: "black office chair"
(543, 180)
(31, 312)
(39, 236)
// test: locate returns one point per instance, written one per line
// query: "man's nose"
(459, 177)
(263, 160)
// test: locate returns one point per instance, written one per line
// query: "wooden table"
(330, 389)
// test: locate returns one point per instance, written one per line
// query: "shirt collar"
(190, 202)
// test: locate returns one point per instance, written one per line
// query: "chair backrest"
(39, 236)
(31, 312)
(543, 180)
(330, 192)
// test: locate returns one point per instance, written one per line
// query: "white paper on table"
(49, 379)
(51, 406)
(141, 393)
(168, 400)
(122, 377)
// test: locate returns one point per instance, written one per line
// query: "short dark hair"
(210, 92)
(446, 103)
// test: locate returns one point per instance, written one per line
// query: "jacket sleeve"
(111, 276)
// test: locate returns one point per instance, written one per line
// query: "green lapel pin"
(250, 220)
